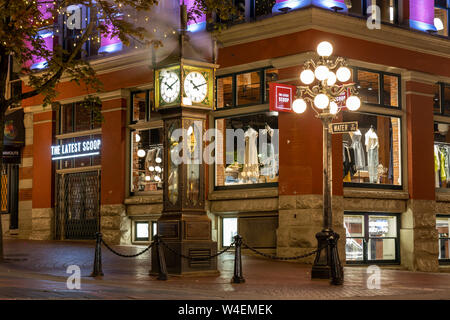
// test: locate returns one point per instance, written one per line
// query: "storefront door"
(78, 205)
(371, 238)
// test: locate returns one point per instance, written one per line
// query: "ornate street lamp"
(327, 92)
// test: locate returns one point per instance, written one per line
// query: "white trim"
(77, 155)
(419, 94)
(43, 121)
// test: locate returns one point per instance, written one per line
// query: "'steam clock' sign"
(76, 149)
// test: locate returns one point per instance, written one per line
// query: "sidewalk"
(37, 270)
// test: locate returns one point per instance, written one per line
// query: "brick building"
(391, 209)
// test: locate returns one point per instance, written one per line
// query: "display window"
(442, 155)
(225, 92)
(247, 146)
(371, 238)
(75, 117)
(372, 154)
(377, 88)
(229, 230)
(441, 17)
(443, 226)
(442, 99)
(146, 160)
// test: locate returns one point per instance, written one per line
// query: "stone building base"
(114, 224)
(42, 223)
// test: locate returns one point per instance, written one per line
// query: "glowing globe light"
(158, 169)
(157, 179)
(147, 178)
(299, 105)
(331, 78)
(307, 76)
(353, 103)
(141, 153)
(325, 49)
(343, 74)
(138, 137)
(322, 72)
(151, 168)
(158, 160)
(321, 101)
(333, 107)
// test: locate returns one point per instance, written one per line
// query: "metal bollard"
(237, 277)
(162, 274)
(98, 256)
(337, 271)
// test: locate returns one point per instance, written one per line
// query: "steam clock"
(184, 95)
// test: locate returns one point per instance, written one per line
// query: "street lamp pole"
(324, 95)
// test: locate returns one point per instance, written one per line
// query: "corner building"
(391, 200)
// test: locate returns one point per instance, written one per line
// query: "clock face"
(195, 86)
(170, 86)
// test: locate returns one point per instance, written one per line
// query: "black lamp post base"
(327, 264)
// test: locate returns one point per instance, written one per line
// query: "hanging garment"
(443, 169)
(437, 164)
(372, 154)
(391, 154)
(251, 164)
(349, 161)
(360, 159)
(447, 150)
(268, 159)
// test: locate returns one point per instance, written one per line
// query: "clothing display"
(371, 140)
(251, 163)
(442, 164)
(268, 158)
(360, 159)
(349, 161)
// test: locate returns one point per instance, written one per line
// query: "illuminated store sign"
(281, 97)
(76, 149)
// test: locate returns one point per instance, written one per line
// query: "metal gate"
(77, 205)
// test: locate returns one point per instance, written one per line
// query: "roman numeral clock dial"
(195, 87)
(170, 86)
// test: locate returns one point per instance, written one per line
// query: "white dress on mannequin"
(251, 163)
(372, 154)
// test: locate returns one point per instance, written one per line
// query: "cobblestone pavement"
(37, 270)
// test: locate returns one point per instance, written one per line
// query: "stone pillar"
(300, 185)
(418, 234)
(114, 224)
(42, 215)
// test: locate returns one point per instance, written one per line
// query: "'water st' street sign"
(344, 127)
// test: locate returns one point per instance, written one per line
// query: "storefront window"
(446, 99)
(377, 88)
(225, 92)
(141, 231)
(437, 98)
(442, 226)
(80, 162)
(76, 117)
(441, 16)
(147, 160)
(247, 150)
(372, 154)
(442, 155)
(248, 88)
(371, 238)
(229, 230)
(139, 106)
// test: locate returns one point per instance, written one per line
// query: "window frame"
(381, 75)
(443, 261)
(447, 8)
(365, 260)
(242, 186)
(147, 105)
(442, 87)
(379, 185)
(363, 13)
(262, 86)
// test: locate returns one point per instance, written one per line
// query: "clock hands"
(197, 86)
(172, 84)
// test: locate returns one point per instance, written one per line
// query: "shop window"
(240, 89)
(225, 92)
(80, 161)
(142, 107)
(445, 107)
(442, 155)
(442, 226)
(247, 150)
(141, 232)
(371, 238)
(76, 117)
(146, 160)
(378, 88)
(441, 17)
(372, 154)
(437, 98)
(229, 230)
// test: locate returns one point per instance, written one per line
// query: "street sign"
(281, 97)
(343, 127)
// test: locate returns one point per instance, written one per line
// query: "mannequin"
(270, 166)
(360, 160)
(372, 154)
(251, 163)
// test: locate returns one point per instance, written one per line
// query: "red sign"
(281, 96)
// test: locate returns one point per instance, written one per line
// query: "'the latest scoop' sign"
(76, 149)
(281, 97)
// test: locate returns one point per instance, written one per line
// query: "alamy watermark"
(374, 19)
(374, 280)
(74, 280)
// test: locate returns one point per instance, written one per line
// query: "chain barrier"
(273, 257)
(197, 258)
(127, 255)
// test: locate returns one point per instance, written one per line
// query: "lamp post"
(327, 92)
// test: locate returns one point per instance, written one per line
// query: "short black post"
(237, 277)
(98, 256)
(337, 271)
(162, 273)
